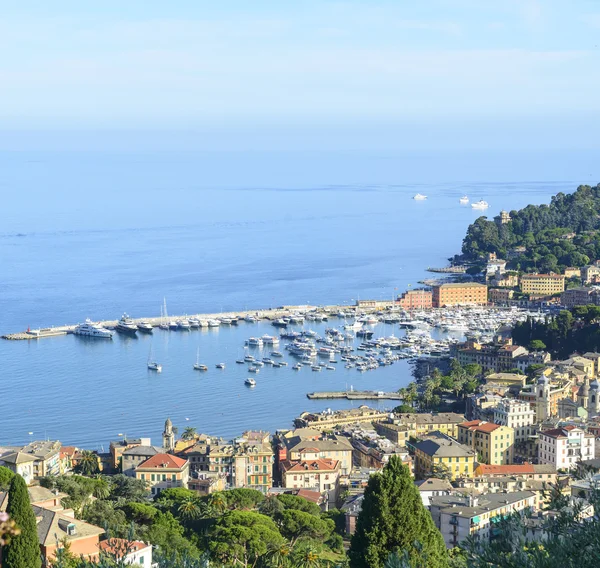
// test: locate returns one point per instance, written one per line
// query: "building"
(44, 457)
(572, 272)
(540, 285)
(334, 447)
(417, 299)
(545, 395)
(331, 418)
(55, 527)
(496, 357)
(311, 472)
(564, 447)
(207, 482)
(246, 461)
(523, 362)
(493, 443)
(117, 447)
(20, 463)
(400, 427)
(501, 295)
(136, 455)
(459, 517)
(528, 471)
(441, 454)
(518, 415)
(459, 293)
(506, 280)
(433, 487)
(503, 218)
(168, 436)
(127, 552)
(40, 497)
(163, 471)
(590, 274)
(495, 268)
(506, 379)
(372, 451)
(581, 296)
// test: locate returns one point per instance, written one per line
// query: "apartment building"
(564, 447)
(518, 415)
(311, 472)
(459, 293)
(418, 299)
(493, 443)
(163, 471)
(542, 284)
(459, 518)
(448, 454)
(401, 427)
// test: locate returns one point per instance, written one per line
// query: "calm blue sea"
(94, 235)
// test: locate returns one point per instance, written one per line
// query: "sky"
(305, 74)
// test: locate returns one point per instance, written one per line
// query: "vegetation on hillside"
(571, 331)
(546, 233)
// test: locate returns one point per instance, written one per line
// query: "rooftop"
(321, 464)
(162, 461)
(485, 503)
(461, 285)
(444, 448)
(52, 527)
(120, 547)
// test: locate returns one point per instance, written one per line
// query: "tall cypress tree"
(23, 551)
(393, 519)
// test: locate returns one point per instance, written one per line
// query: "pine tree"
(394, 520)
(24, 549)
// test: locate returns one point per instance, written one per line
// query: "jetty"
(449, 269)
(261, 314)
(354, 395)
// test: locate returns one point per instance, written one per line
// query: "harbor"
(354, 395)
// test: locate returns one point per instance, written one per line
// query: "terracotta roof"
(312, 496)
(481, 426)
(505, 469)
(162, 461)
(68, 451)
(121, 546)
(320, 464)
(559, 432)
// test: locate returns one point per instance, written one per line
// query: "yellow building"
(163, 471)
(443, 453)
(542, 284)
(493, 443)
(403, 426)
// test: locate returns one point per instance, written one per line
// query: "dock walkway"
(355, 395)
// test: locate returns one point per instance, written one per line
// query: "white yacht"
(214, 323)
(481, 204)
(126, 325)
(250, 382)
(183, 324)
(464, 200)
(270, 339)
(220, 365)
(91, 329)
(250, 319)
(194, 322)
(154, 366)
(420, 197)
(145, 327)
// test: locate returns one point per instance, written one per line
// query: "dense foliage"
(238, 527)
(394, 520)
(546, 233)
(571, 331)
(23, 550)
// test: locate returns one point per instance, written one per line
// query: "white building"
(311, 472)
(564, 447)
(459, 517)
(518, 415)
(433, 487)
(134, 552)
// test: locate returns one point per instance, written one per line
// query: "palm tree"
(189, 509)
(217, 502)
(279, 556)
(101, 488)
(189, 433)
(308, 558)
(87, 463)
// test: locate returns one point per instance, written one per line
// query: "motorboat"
(481, 204)
(173, 325)
(254, 342)
(240, 361)
(213, 323)
(250, 382)
(282, 363)
(464, 200)
(330, 367)
(91, 329)
(276, 354)
(126, 325)
(250, 319)
(154, 366)
(249, 359)
(194, 323)
(220, 365)
(145, 327)
(183, 325)
(316, 368)
(226, 321)
(253, 369)
(419, 197)
(280, 323)
(269, 339)
(297, 367)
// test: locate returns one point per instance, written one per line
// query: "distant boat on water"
(464, 200)
(420, 197)
(481, 204)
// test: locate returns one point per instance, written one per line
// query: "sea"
(97, 234)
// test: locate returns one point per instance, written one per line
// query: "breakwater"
(354, 395)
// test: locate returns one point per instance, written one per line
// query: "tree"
(243, 498)
(87, 463)
(243, 537)
(299, 503)
(295, 524)
(404, 409)
(393, 519)
(190, 509)
(537, 345)
(189, 433)
(23, 551)
(6, 476)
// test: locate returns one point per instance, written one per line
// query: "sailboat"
(163, 316)
(152, 364)
(197, 365)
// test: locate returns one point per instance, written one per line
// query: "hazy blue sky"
(432, 72)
